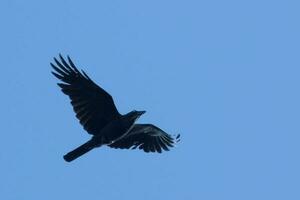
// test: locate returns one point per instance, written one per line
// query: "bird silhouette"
(97, 113)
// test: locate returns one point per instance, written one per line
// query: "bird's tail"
(79, 151)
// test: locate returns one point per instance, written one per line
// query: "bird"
(97, 113)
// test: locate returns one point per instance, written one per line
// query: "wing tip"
(178, 138)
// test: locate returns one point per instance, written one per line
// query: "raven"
(97, 113)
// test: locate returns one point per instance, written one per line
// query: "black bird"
(97, 113)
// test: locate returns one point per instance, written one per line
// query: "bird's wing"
(147, 137)
(93, 106)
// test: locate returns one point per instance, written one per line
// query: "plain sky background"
(224, 74)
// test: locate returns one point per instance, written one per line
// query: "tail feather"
(79, 151)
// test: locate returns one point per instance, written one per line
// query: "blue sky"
(224, 74)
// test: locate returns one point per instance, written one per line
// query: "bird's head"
(134, 115)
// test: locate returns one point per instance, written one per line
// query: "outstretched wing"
(93, 106)
(147, 137)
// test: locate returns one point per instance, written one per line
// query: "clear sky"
(224, 74)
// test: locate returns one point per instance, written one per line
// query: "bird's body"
(96, 111)
(115, 130)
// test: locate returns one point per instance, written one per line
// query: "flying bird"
(97, 113)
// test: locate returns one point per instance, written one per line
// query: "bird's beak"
(141, 112)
